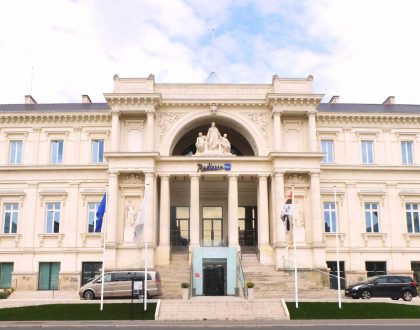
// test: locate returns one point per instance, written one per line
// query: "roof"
(54, 107)
(322, 107)
(369, 108)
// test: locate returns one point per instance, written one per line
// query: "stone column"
(195, 211)
(111, 221)
(163, 251)
(233, 211)
(312, 131)
(150, 130)
(263, 221)
(281, 237)
(277, 130)
(317, 241)
(149, 180)
(115, 135)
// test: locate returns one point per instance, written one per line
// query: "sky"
(361, 50)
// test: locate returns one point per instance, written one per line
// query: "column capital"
(149, 174)
(195, 175)
(311, 113)
(164, 175)
(150, 112)
(113, 172)
(233, 175)
(263, 176)
(115, 112)
(279, 172)
(315, 173)
(277, 112)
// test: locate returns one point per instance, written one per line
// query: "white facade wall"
(142, 124)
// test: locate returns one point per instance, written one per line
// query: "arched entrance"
(243, 138)
(186, 144)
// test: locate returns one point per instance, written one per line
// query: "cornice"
(323, 117)
(402, 168)
(284, 99)
(25, 117)
(209, 102)
(133, 99)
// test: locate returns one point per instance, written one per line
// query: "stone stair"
(174, 274)
(270, 283)
(221, 308)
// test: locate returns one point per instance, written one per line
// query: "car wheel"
(395, 298)
(366, 294)
(88, 295)
(407, 296)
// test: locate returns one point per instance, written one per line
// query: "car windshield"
(370, 279)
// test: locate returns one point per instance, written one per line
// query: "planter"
(250, 293)
(185, 293)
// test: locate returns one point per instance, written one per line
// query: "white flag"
(141, 217)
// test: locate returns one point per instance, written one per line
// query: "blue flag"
(100, 214)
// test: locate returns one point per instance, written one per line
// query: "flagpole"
(103, 251)
(336, 247)
(294, 246)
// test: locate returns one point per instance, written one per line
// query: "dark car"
(394, 287)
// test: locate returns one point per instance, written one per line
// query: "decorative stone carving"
(130, 213)
(260, 119)
(133, 179)
(166, 119)
(213, 143)
(296, 179)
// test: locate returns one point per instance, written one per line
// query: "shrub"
(185, 285)
(3, 295)
(250, 284)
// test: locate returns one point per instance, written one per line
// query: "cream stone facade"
(280, 135)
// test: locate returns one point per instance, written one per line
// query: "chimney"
(86, 99)
(389, 100)
(334, 99)
(29, 99)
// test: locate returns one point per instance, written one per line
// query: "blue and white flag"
(141, 217)
(100, 215)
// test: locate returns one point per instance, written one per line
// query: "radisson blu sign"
(210, 167)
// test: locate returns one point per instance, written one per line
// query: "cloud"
(360, 50)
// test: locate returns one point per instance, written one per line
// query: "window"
(327, 148)
(330, 217)
(372, 217)
(48, 275)
(52, 223)
(6, 270)
(412, 214)
(15, 155)
(375, 268)
(407, 152)
(367, 152)
(90, 270)
(97, 151)
(180, 222)
(57, 151)
(11, 212)
(92, 208)
(247, 222)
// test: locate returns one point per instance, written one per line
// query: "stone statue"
(213, 137)
(201, 143)
(225, 144)
(131, 213)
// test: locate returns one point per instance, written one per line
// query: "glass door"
(212, 226)
(48, 275)
(6, 269)
(180, 225)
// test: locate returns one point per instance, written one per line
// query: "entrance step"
(271, 283)
(221, 308)
(177, 272)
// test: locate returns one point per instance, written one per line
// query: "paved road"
(239, 325)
